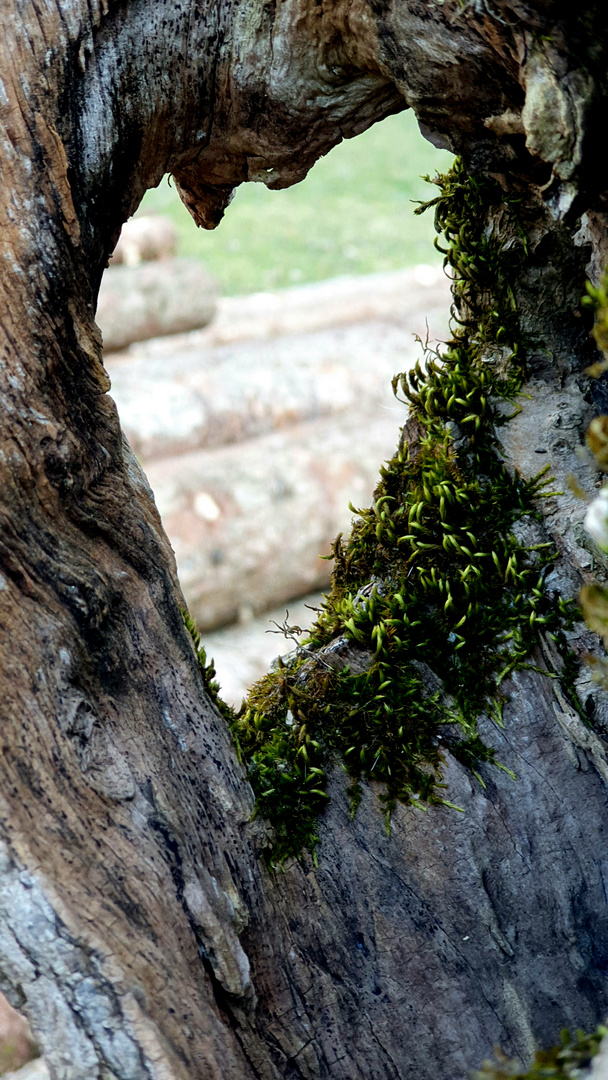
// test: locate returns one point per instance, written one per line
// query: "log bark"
(141, 931)
(152, 300)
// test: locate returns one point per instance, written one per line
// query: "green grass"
(353, 214)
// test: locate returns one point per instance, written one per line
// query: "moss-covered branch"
(434, 599)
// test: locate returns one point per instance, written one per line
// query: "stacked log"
(153, 299)
(148, 238)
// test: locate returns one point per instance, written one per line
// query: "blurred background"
(252, 368)
(353, 214)
(258, 396)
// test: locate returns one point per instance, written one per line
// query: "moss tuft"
(567, 1061)
(594, 595)
(434, 599)
(597, 299)
(207, 669)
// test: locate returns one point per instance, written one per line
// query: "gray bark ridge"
(140, 930)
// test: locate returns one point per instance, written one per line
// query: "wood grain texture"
(140, 930)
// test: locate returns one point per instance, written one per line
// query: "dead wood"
(140, 930)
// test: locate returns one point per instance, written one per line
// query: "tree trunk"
(141, 930)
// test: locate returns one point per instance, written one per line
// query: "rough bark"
(140, 930)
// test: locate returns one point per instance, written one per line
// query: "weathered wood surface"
(139, 929)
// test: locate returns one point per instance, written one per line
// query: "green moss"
(597, 300)
(207, 669)
(433, 583)
(563, 1062)
(594, 596)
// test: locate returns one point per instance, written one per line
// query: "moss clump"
(597, 300)
(207, 669)
(564, 1062)
(433, 583)
(594, 596)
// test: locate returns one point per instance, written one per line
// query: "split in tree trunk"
(141, 929)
